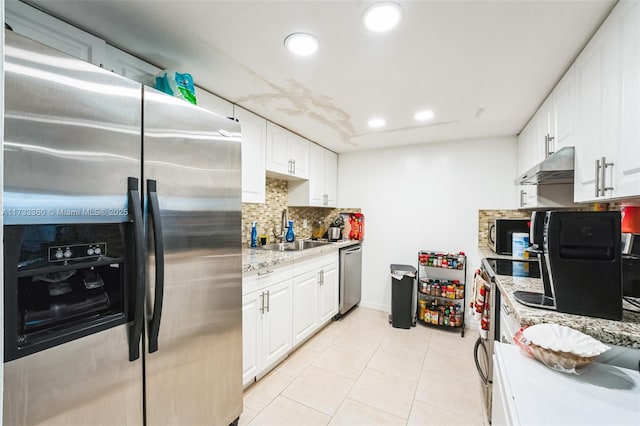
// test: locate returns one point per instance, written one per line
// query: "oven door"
(482, 354)
(483, 348)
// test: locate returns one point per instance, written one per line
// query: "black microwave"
(500, 232)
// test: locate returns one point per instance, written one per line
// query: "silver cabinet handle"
(523, 197)
(546, 145)
(506, 309)
(322, 277)
(268, 301)
(294, 166)
(267, 272)
(597, 174)
(262, 302)
(604, 169)
(550, 151)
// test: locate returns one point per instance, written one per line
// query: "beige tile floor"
(361, 371)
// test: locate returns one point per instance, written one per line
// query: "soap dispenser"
(290, 237)
(254, 234)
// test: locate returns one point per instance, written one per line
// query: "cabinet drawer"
(314, 262)
(263, 277)
(508, 323)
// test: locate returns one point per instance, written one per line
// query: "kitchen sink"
(295, 246)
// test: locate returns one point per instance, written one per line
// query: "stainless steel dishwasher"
(350, 278)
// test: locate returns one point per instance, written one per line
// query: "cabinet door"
(562, 114)
(523, 153)
(251, 336)
(129, 66)
(500, 407)
(46, 29)
(589, 76)
(277, 149)
(276, 336)
(213, 103)
(527, 196)
(331, 178)
(627, 158)
(328, 293)
(316, 175)
(254, 142)
(299, 153)
(540, 149)
(304, 305)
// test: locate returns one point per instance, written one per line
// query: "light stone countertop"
(622, 333)
(256, 258)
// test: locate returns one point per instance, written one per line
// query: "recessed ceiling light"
(376, 123)
(302, 44)
(424, 115)
(382, 16)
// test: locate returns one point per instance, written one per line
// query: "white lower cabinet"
(284, 305)
(266, 327)
(328, 293)
(501, 409)
(315, 295)
(304, 302)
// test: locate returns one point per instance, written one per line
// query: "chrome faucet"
(284, 225)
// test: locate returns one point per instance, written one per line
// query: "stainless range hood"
(558, 168)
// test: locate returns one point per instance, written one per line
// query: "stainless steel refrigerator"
(122, 273)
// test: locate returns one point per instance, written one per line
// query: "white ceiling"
(482, 66)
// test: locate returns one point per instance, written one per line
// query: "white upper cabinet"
(287, 153)
(129, 66)
(254, 142)
(561, 118)
(551, 127)
(608, 93)
(330, 178)
(299, 152)
(46, 29)
(213, 103)
(321, 188)
(627, 167)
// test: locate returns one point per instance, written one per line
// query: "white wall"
(424, 197)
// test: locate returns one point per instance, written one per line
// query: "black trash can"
(403, 293)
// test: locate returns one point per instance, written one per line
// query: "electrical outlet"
(304, 223)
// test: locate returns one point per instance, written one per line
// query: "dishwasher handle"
(351, 250)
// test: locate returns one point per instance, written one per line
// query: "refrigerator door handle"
(154, 209)
(135, 331)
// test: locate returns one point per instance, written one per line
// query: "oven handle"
(135, 208)
(476, 347)
(154, 209)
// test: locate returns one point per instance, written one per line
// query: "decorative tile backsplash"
(484, 216)
(268, 215)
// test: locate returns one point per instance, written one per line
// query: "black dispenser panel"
(63, 282)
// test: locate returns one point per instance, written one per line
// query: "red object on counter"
(630, 219)
(356, 220)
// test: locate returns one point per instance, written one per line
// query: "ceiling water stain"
(297, 100)
(479, 112)
(294, 99)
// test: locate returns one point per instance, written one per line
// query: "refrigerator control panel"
(77, 251)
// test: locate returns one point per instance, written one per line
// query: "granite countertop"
(622, 333)
(256, 258)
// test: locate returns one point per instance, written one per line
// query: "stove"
(515, 268)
